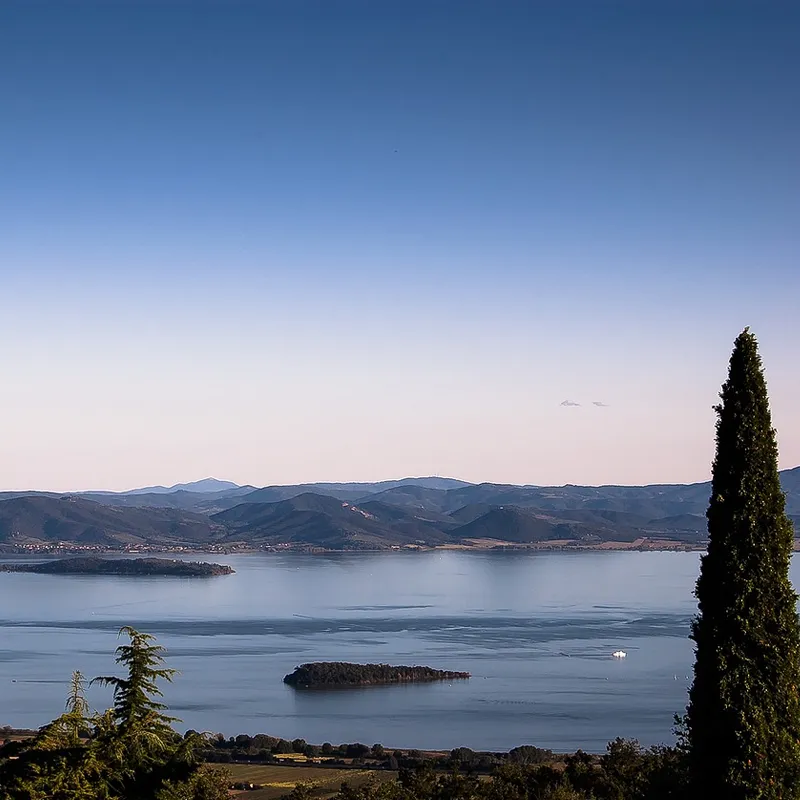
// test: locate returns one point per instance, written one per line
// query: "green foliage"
(57, 763)
(134, 705)
(625, 772)
(204, 784)
(49, 770)
(630, 773)
(528, 754)
(302, 791)
(129, 752)
(140, 746)
(743, 718)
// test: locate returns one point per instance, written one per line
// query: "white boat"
(619, 654)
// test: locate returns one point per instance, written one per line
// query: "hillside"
(352, 492)
(444, 496)
(25, 520)
(378, 516)
(419, 523)
(647, 502)
(322, 521)
(527, 525)
(199, 502)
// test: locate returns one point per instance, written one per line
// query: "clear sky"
(311, 240)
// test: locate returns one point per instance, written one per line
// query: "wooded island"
(333, 674)
(122, 566)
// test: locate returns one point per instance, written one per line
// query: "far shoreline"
(10, 733)
(641, 545)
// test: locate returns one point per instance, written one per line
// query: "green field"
(279, 780)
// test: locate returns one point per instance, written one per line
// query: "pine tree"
(743, 718)
(130, 752)
(58, 763)
(139, 744)
(134, 703)
(76, 717)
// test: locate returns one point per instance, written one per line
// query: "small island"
(122, 566)
(338, 674)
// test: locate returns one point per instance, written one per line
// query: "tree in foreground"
(743, 717)
(57, 763)
(130, 752)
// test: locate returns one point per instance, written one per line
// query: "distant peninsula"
(338, 674)
(121, 566)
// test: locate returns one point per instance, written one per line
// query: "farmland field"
(278, 780)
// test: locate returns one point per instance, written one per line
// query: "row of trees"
(624, 772)
(739, 739)
(264, 749)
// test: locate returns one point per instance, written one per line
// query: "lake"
(536, 630)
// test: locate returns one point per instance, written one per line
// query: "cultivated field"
(278, 780)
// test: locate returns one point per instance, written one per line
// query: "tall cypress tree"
(743, 718)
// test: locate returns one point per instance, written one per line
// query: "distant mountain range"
(427, 511)
(203, 486)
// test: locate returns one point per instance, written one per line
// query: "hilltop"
(204, 485)
(409, 512)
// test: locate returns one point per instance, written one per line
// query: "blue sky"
(339, 240)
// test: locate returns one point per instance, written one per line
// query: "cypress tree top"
(743, 719)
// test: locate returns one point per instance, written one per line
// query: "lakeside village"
(232, 548)
(71, 548)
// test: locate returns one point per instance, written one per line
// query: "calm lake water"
(536, 630)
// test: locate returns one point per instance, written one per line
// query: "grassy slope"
(279, 780)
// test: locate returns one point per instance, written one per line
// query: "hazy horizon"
(287, 243)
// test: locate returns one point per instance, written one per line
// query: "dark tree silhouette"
(743, 718)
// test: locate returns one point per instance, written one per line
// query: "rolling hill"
(357, 516)
(528, 525)
(200, 502)
(323, 521)
(647, 502)
(25, 520)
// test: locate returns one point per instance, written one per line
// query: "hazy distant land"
(218, 516)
